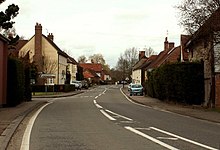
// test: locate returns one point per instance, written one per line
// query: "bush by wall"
(15, 82)
(180, 82)
(27, 84)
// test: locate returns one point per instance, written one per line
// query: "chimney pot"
(50, 36)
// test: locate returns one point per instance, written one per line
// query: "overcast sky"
(109, 27)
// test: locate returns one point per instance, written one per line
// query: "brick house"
(51, 61)
(3, 69)
(91, 76)
(138, 70)
(91, 68)
(171, 54)
(204, 45)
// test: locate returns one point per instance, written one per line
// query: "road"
(104, 119)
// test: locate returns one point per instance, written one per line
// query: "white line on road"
(167, 138)
(97, 105)
(132, 101)
(184, 139)
(96, 97)
(27, 133)
(107, 115)
(119, 115)
(150, 138)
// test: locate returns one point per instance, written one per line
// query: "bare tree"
(194, 13)
(50, 65)
(149, 51)
(97, 58)
(126, 61)
(82, 59)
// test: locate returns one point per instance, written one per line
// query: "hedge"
(15, 82)
(179, 82)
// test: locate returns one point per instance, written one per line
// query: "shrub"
(180, 82)
(15, 82)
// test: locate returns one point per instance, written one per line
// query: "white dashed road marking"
(150, 138)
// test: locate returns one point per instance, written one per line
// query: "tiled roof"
(92, 66)
(158, 60)
(172, 56)
(88, 73)
(140, 63)
(20, 44)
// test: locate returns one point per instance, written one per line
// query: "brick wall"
(38, 57)
(38, 47)
(217, 90)
(3, 70)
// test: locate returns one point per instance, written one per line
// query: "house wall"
(73, 71)
(136, 76)
(48, 52)
(62, 69)
(3, 72)
(201, 50)
(29, 47)
(51, 58)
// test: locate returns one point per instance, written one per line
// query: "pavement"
(11, 117)
(194, 111)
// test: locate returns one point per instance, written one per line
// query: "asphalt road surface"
(104, 119)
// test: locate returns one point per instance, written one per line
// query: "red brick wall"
(217, 90)
(38, 47)
(38, 57)
(3, 72)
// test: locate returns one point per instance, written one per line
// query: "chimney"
(141, 54)
(50, 36)
(166, 45)
(38, 47)
(171, 45)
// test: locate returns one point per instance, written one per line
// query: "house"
(51, 61)
(96, 68)
(3, 69)
(138, 70)
(204, 46)
(106, 76)
(171, 54)
(91, 76)
(72, 68)
(137, 73)
(93, 69)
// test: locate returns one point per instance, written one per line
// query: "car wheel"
(130, 94)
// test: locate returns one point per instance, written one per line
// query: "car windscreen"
(136, 86)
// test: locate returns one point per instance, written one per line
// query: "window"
(50, 80)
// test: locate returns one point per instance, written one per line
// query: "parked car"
(85, 84)
(129, 86)
(78, 84)
(136, 89)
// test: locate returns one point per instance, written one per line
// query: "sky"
(109, 27)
